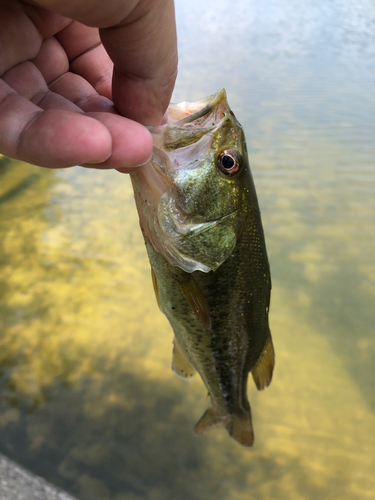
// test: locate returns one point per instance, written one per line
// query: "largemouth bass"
(201, 223)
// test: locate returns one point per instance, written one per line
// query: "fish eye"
(229, 162)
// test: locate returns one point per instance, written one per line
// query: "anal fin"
(209, 420)
(181, 366)
(262, 371)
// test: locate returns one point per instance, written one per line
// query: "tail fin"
(239, 426)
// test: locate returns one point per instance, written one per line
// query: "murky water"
(88, 399)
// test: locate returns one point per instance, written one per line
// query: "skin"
(79, 80)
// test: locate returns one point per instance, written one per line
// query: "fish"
(201, 223)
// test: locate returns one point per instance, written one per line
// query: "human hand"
(77, 77)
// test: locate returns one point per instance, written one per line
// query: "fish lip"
(208, 104)
(214, 100)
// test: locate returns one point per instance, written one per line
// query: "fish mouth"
(188, 122)
(201, 108)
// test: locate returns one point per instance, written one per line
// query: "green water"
(87, 396)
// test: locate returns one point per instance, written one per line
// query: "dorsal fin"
(262, 371)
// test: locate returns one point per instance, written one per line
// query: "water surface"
(88, 399)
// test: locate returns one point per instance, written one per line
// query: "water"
(88, 399)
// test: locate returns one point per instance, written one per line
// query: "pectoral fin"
(181, 366)
(155, 285)
(194, 297)
(262, 371)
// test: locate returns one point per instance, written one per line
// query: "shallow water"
(88, 399)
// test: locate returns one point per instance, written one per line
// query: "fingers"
(51, 61)
(22, 33)
(91, 77)
(140, 38)
(58, 138)
(87, 56)
(77, 90)
(19, 44)
(144, 51)
(130, 140)
(92, 12)
(67, 91)
(53, 138)
(46, 125)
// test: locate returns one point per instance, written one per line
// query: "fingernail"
(141, 164)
